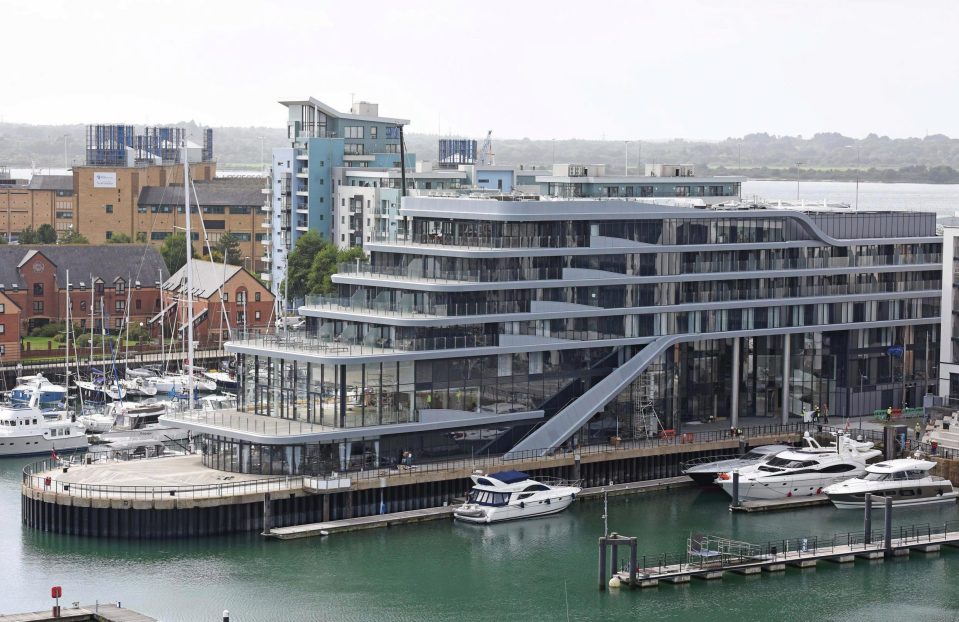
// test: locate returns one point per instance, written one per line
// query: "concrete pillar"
(867, 520)
(734, 406)
(787, 374)
(602, 563)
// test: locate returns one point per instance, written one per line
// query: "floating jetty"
(774, 505)
(86, 613)
(709, 557)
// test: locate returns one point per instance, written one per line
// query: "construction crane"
(486, 155)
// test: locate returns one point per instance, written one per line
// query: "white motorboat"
(223, 379)
(906, 481)
(99, 388)
(136, 415)
(706, 471)
(24, 431)
(802, 472)
(511, 495)
(51, 395)
(96, 422)
(216, 403)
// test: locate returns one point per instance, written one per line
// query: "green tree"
(141, 237)
(74, 237)
(47, 234)
(326, 263)
(173, 252)
(28, 236)
(229, 246)
(298, 264)
(119, 238)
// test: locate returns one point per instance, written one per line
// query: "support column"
(734, 406)
(787, 374)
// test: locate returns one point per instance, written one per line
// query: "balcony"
(303, 173)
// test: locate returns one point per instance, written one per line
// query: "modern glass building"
(522, 325)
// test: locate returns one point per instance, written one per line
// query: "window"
(3, 329)
(120, 287)
(353, 131)
(159, 235)
(215, 224)
(256, 315)
(226, 296)
(240, 209)
(108, 208)
(65, 215)
(38, 306)
(138, 304)
(392, 131)
(109, 235)
(118, 323)
(214, 209)
(242, 237)
(373, 132)
(141, 209)
(120, 305)
(3, 308)
(241, 296)
(83, 305)
(99, 289)
(256, 296)
(353, 149)
(38, 289)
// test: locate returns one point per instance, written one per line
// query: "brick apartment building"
(33, 286)
(246, 303)
(44, 200)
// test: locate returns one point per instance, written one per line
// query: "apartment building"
(508, 326)
(43, 200)
(107, 283)
(662, 181)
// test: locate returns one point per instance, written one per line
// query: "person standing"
(918, 432)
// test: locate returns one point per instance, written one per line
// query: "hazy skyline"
(697, 70)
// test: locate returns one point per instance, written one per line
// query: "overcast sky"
(555, 69)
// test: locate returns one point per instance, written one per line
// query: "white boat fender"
(614, 582)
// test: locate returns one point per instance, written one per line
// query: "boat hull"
(39, 444)
(795, 487)
(513, 512)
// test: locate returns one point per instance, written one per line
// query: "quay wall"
(367, 495)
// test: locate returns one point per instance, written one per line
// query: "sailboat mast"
(189, 274)
(92, 288)
(66, 356)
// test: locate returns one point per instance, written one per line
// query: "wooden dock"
(773, 505)
(92, 613)
(440, 513)
(359, 524)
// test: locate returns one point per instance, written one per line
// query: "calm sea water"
(443, 571)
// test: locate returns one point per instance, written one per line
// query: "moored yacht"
(705, 472)
(802, 472)
(24, 431)
(51, 395)
(906, 481)
(510, 495)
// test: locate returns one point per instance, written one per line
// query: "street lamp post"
(858, 170)
(798, 164)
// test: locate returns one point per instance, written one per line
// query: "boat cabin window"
(876, 477)
(535, 487)
(485, 497)
(524, 495)
(838, 468)
(754, 455)
(791, 464)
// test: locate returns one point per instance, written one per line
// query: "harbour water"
(445, 571)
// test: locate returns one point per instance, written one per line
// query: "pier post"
(867, 520)
(577, 466)
(267, 514)
(602, 563)
(632, 563)
(734, 406)
(887, 519)
(613, 553)
(736, 502)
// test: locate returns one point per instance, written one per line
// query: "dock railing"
(791, 549)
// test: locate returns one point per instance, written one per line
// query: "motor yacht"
(24, 431)
(906, 481)
(511, 495)
(802, 472)
(706, 471)
(51, 395)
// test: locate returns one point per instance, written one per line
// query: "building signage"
(104, 180)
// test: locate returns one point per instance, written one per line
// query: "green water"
(444, 571)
